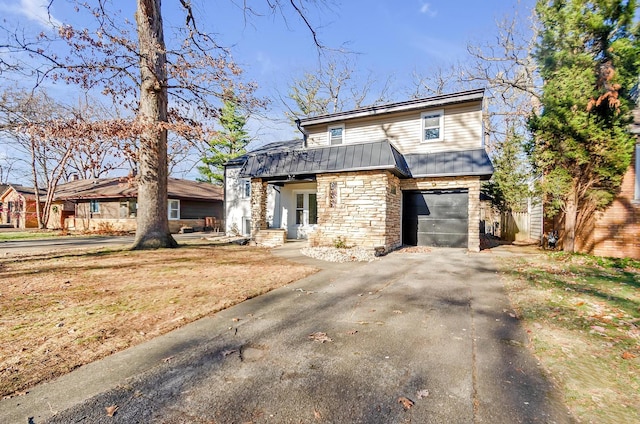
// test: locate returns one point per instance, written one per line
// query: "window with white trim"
(336, 135)
(246, 189)
(174, 209)
(432, 125)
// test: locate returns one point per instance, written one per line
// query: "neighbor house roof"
(429, 102)
(338, 158)
(26, 192)
(112, 188)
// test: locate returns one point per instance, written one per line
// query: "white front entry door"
(306, 213)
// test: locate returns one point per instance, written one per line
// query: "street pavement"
(412, 337)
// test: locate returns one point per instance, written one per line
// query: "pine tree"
(509, 187)
(588, 54)
(230, 142)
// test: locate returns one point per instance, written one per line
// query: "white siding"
(237, 206)
(463, 130)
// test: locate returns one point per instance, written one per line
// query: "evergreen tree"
(228, 143)
(509, 188)
(588, 55)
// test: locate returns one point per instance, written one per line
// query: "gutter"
(305, 134)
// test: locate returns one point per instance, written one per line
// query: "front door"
(306, 213)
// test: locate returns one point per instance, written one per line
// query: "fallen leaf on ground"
(628, 355)
(111, 410)
(317, 414)
(167, 359)
(226, 353)
(352, 332)
(397, 311)
(235, 319)
(422, 393)
(320, 337)
(406, 402)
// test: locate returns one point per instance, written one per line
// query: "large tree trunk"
(570, 220)
(152, 219)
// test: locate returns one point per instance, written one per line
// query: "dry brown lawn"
(59, 312)
(582, 314)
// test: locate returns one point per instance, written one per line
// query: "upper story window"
(336, 135)
(174, 209)
(433, 125)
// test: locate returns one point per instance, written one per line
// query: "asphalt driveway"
(413, 337)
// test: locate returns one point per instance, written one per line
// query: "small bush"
(340, 242)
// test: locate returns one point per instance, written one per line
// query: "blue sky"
(389, 38)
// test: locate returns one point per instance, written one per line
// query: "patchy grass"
(583, 317)
(60, 312)
(28, 235)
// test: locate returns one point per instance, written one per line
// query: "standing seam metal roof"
(365, 156)
(339, 158)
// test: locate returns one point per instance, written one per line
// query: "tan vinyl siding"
(462, 130)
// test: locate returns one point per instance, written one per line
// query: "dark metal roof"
(339, 158)
(450, 164)
(276, 146)
(435, 101)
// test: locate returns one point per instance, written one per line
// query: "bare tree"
(334, 87)
(158, 83)
(26, 118)
(504, 66)
(98, 155)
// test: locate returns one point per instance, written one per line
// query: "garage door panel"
(442, 225)
(442, 240)
(436, 218)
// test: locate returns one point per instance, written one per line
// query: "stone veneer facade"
(258, 206)
(362, 208)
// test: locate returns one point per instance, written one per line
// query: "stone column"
(258, 206)
(474, 215)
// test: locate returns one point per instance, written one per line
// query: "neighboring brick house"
(88, 205)
(18, 206)
(615, 232)
(376, 177)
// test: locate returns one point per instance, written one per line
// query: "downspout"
(305, 134)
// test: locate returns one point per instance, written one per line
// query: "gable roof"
(26, 192)
(428, 102)
(337, 158)
(113, 188)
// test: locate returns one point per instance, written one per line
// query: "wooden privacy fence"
(522, 226)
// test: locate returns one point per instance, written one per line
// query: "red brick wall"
(617, 229)
(614, 232)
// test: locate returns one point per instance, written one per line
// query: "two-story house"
(377, 177)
